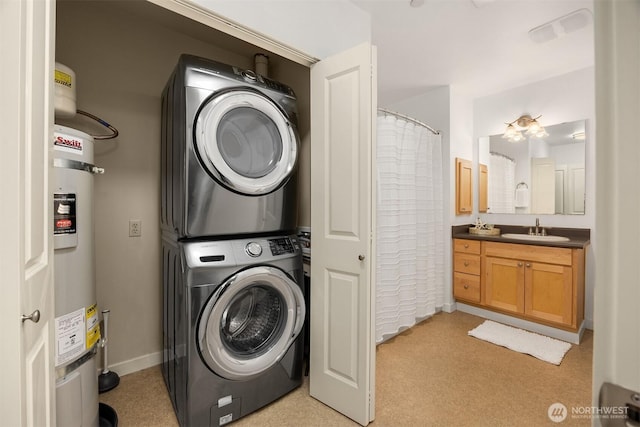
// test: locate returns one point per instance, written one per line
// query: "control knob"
(249, 75)
(253, 249)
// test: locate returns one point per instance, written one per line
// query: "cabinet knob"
(466, 286)
(361, 257)
(34, 317)
(528, 265)
(466, 246)
(519, 264)
(466, 263)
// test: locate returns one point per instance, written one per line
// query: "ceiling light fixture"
(416, 3)
(578, 136)
(514, 129)
(561, 26)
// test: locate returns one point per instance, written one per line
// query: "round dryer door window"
(250, 322)
(246, 142)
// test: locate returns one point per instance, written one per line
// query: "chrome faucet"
(537, 233)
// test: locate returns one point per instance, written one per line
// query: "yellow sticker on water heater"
(63, 78)
(93, 325)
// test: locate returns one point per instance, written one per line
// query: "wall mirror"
(537, 175)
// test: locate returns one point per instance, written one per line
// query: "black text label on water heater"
(64, 213)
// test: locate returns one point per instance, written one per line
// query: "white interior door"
(26, 253)
(343, 101)
(543, 187)
(577, 189)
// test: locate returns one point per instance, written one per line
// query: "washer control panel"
(220, 253)
(282, 245)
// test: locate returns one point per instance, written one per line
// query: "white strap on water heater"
(75, 164)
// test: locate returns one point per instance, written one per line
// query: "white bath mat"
(544, 348)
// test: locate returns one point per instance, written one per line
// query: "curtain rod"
(502, 155)
(411, 119)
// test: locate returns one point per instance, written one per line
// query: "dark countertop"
(580, 237)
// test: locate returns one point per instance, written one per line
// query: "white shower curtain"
(502, 184)
(410, 234)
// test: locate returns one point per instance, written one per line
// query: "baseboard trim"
(449, 307)
(560, 334)
(137, 364)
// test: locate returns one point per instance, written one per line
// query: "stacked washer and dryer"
(232, 266)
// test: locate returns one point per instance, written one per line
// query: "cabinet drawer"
(466, 287)
(466, 263)
(546, 254)
(466, 246)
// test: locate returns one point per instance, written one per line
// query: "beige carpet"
(431, 375)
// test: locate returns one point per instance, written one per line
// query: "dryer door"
(245, 142)
(250, 322)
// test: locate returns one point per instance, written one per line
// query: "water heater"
(77, 331)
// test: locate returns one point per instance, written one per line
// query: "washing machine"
(233, 320)
(229, 152)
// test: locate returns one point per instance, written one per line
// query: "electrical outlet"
(135, 228)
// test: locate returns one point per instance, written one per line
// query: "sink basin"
(535, 238)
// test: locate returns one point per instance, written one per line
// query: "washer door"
(250, 322)
(246, 142)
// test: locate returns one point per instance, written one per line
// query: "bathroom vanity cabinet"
(542, 284)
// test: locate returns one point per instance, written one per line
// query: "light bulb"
(534, 127)
(510, 132)
(517, 137)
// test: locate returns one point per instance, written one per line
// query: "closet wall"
(123, 54)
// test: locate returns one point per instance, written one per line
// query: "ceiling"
(481, 47)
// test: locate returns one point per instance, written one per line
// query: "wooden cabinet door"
(549, 292)
(504, 284)
(464, 184)
(483, 188)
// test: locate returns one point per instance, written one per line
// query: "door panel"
(549, 292)
(342, 326)
(342, 365)
(26, 119)
(504, 284)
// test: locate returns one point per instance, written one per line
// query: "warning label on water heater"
(70, 336)
(64, 213)
(93, 326)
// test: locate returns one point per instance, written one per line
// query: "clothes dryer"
(229, 152)
(233, 320)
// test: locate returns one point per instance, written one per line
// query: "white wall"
(319, 28)
(564, 98)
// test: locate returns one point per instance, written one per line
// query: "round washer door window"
(245, 142)
(250, 322)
